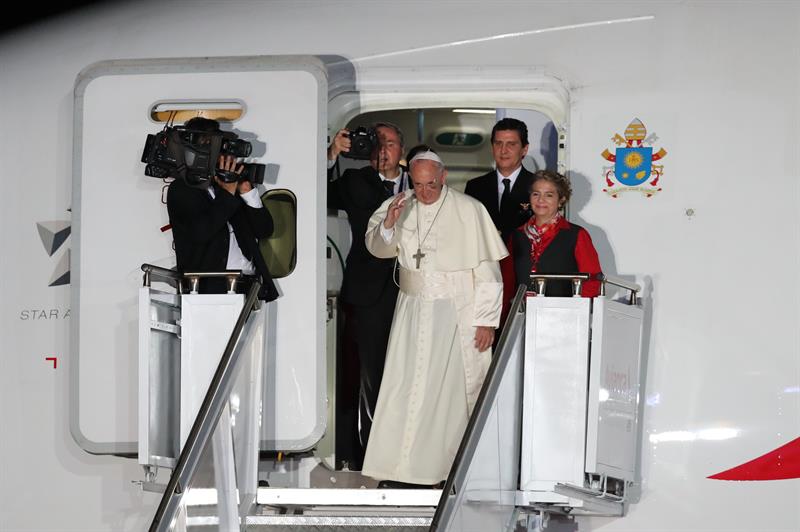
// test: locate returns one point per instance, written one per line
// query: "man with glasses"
(448, 253)
(368, 291)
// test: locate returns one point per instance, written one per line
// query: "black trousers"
(366, 337)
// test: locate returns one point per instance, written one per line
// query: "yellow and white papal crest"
(633, 160)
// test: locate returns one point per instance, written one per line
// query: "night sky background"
(28, 15)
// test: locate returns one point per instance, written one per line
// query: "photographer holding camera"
(368, 291)
(217, 222)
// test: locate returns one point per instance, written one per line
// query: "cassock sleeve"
(488, 294)
(374, 241)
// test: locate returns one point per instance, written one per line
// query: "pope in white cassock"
(444, 323)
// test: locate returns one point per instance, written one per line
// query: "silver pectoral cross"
(418, 255)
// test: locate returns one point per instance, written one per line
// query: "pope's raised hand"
(395, 209)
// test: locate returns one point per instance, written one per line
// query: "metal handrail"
(622, 283)
(231, 275)
(151, 271)
(480, 414)
(633, 288)
(206, 421)
(577, 282)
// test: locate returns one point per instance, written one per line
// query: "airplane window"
(180, 112)
(458, 138)
(280, 249)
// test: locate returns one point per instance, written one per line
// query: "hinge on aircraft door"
(595, 502)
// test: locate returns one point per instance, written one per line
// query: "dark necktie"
(505, 199)
(389, 186)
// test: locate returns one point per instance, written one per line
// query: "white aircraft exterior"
(711, 235)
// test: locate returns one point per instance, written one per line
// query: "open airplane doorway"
(462, 137)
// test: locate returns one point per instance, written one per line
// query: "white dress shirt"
(236, 259)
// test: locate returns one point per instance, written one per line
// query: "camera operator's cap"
(427, 156)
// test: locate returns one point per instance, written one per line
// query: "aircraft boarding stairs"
(554, 429)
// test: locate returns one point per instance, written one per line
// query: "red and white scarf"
(541, 236)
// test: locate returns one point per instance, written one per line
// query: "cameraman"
(216, 226)
(368, 291)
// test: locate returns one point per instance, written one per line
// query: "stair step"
(291, 523)
(348, 497)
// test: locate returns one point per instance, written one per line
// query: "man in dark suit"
(216, 225)
(504, 191)
(368, 291)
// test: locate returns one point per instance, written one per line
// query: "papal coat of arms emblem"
(633, 160)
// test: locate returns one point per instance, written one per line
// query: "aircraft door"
(118, 217)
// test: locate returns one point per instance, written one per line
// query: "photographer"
(216, 225)
(368, 292)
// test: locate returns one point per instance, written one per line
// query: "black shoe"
(350, 465)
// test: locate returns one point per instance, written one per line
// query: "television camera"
(191, 154)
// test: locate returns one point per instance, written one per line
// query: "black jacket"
(201, 235)
(557, 257)
(359, 192)
(484, 189)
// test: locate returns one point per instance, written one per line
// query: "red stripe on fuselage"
(781, 464)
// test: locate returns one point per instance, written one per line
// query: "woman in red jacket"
(548, 243)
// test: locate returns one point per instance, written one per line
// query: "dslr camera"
(363, 141)
(192, 155)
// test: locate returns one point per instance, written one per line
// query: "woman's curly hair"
(561, 182)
